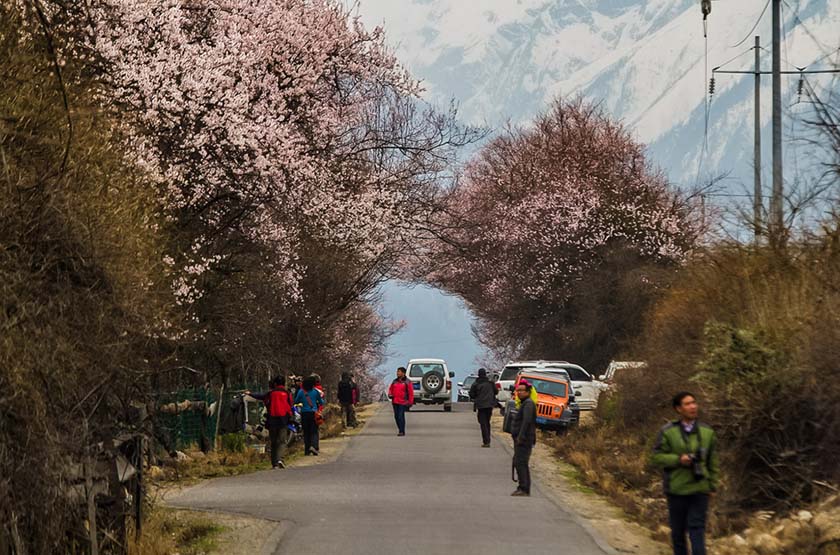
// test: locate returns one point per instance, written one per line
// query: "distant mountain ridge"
(643, 59)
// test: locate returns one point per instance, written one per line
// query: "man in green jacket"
(686, 451)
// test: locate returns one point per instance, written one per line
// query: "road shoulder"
(611, 529)
(246, 535)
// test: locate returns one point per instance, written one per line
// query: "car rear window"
(418, 370)
(577, 374)
(510, 372)
(469, 381)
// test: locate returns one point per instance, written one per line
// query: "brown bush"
(755, 335)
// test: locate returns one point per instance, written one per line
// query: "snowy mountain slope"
(505, 59)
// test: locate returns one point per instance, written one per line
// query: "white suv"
(585, 387)
(432, 382)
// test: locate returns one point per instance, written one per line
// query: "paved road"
(433, 491)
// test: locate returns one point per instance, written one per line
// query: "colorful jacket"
(671, 443)
(401, 392)
(315, 400)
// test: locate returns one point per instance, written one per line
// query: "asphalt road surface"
(436, 490)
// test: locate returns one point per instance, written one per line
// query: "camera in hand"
(697, 464)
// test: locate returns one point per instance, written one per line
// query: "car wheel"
(433, 382)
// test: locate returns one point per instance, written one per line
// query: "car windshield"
(418, 370)
(547, 387)
(469, 381)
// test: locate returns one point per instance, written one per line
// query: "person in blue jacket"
(310, 400)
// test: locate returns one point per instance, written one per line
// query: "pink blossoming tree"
(554, 224)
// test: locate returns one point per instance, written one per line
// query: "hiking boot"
(401, 434)
(520, 493)
(280, 464)
(485, 445)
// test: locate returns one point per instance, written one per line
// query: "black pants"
(484, 421)
(687, 514)
(399, 417)
(349, 414)
(310, 431)
(277, 431)
(521, 458)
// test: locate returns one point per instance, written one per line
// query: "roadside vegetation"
(201, 199)
(568, 245)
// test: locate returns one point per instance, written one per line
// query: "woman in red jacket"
(401, 394)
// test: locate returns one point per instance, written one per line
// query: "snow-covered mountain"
(644, 59)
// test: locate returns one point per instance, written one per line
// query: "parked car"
(432, 382)
(464, 388)
(586, 389)
(609, 374)
(554, 400)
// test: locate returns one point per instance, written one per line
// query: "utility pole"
(776, 226)
(757, 196)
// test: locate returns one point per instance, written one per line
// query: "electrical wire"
(733, 58)
(706, 106)
(757, 21)
(796, 17)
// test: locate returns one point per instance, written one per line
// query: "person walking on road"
(483, 394)
(311, 401)
(347, 398)
(686, 451)
(524, 431)
(278, 404)
(401, 394)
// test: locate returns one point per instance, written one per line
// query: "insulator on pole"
(799, 87)
(711, 86)
(706, 7)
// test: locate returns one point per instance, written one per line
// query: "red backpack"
(279, 403)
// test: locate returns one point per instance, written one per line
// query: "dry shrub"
(79, 271)
(756, 335)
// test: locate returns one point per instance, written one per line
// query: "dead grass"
(168, 531)
(615, 467)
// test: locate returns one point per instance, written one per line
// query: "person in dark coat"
(347, 398)
(483, 394)
(524, 433)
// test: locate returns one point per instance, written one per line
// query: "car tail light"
(498, 386)
(448, 385)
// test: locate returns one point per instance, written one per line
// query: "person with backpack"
(524, 437)
(401, 393)
(483, 395)
(311, 401)
(347, 398)
(278, 404)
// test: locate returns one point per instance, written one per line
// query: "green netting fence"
(197, 427)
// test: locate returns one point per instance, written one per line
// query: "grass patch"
(575, 478)
(167, 531)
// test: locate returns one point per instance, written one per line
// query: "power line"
(757, 21)
(817, 41)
